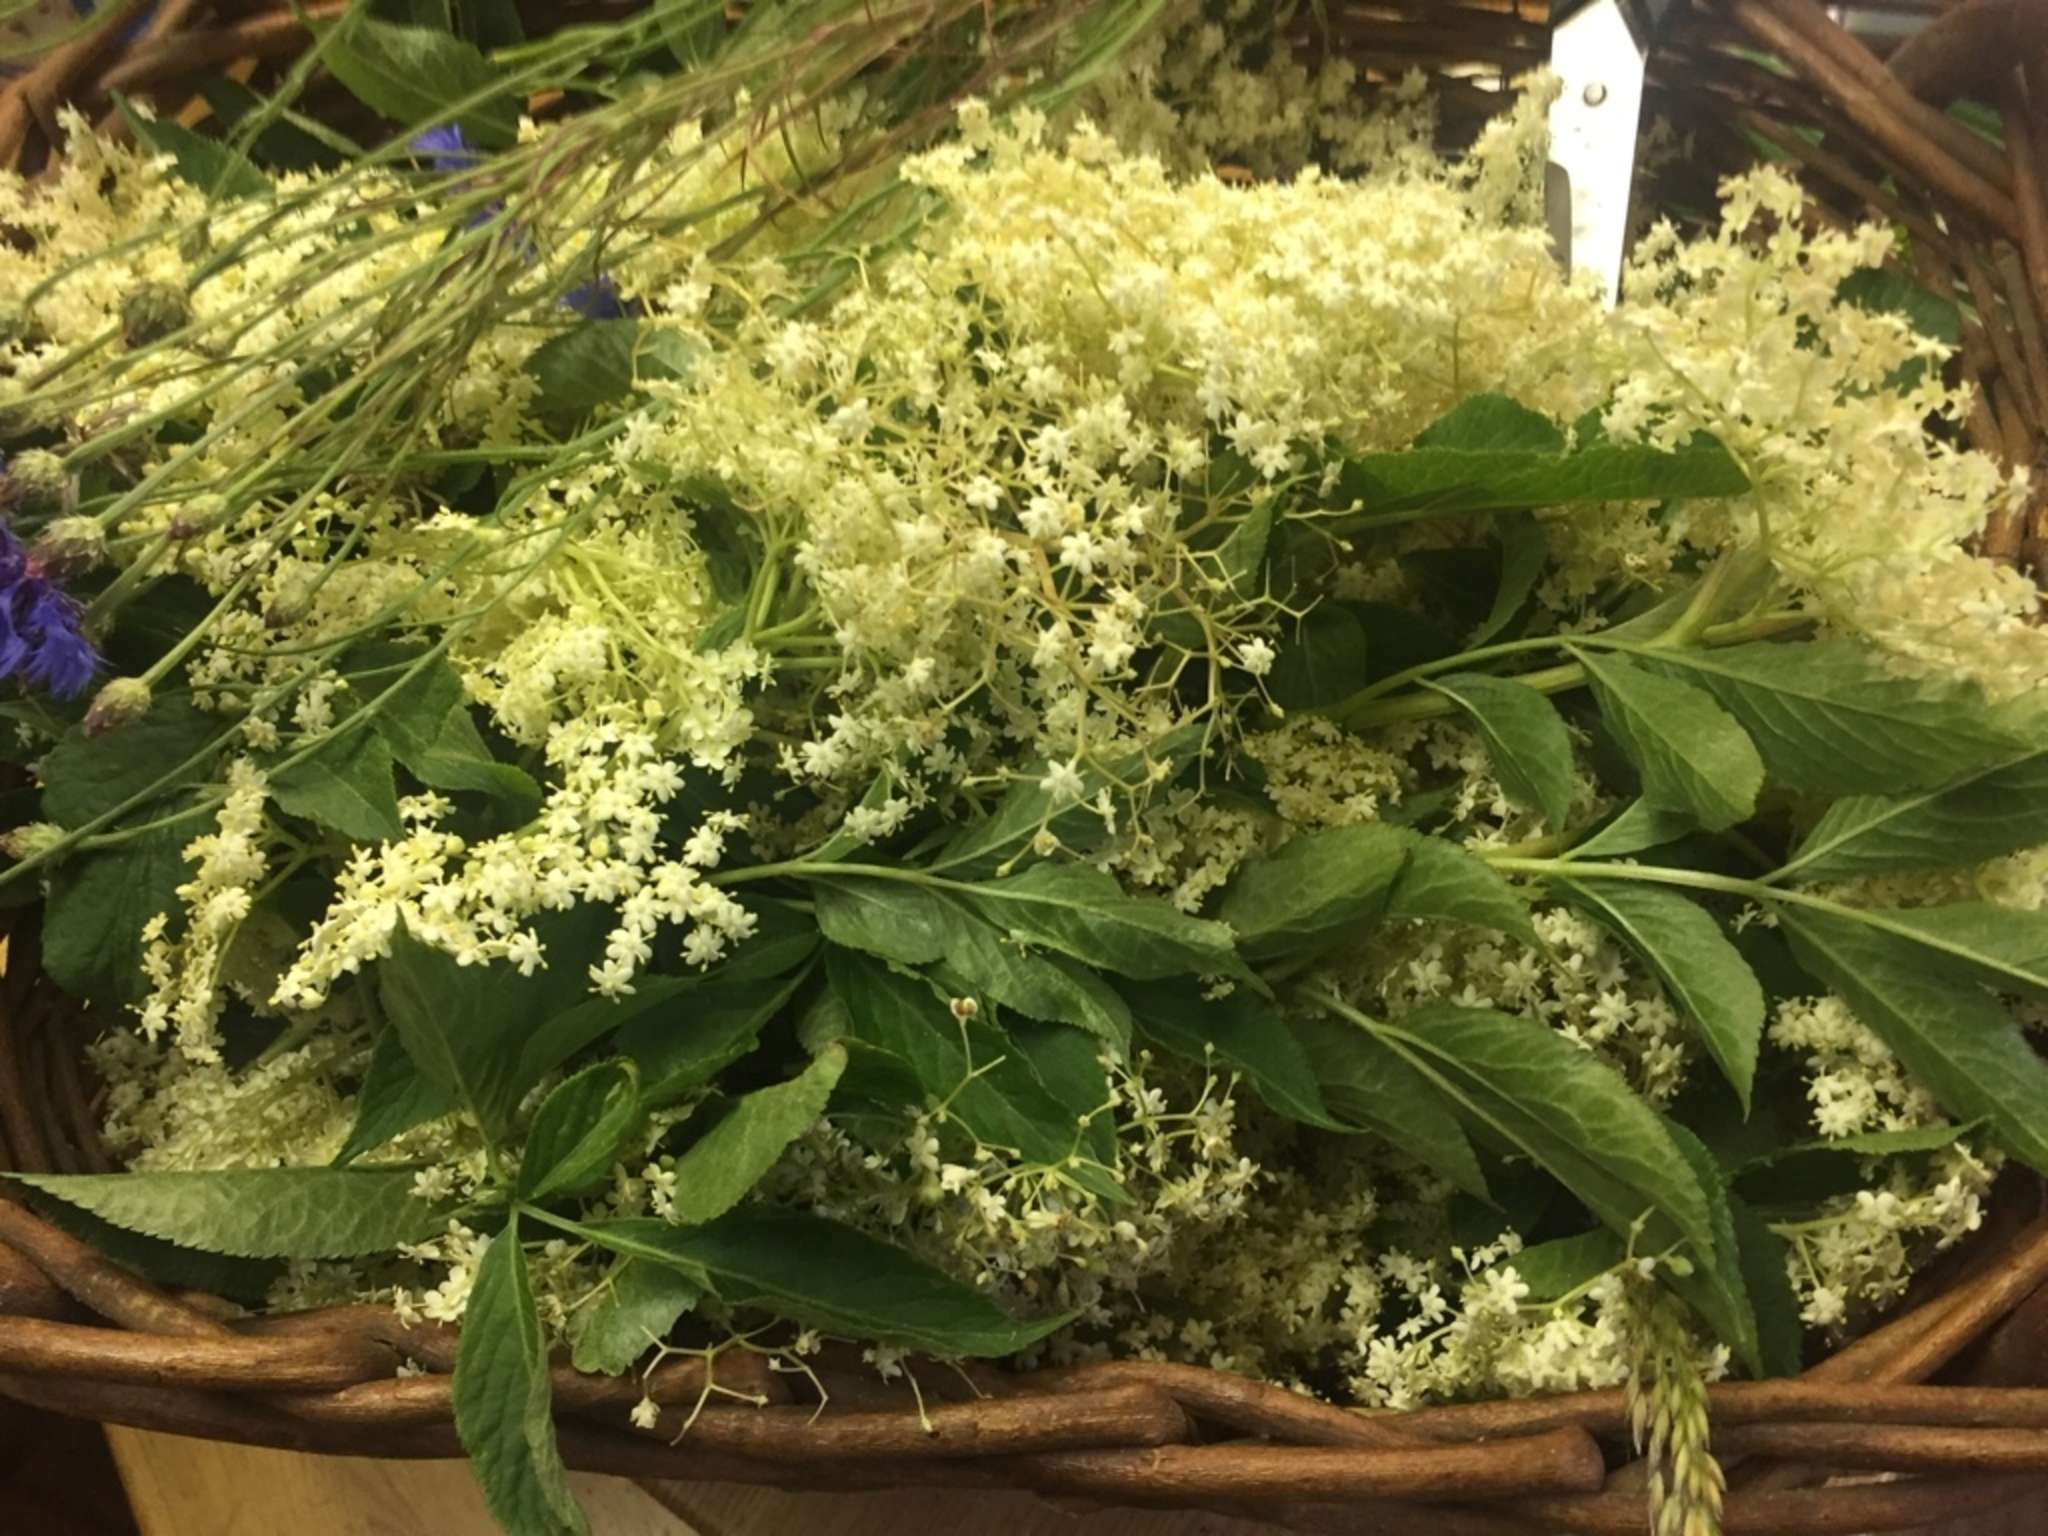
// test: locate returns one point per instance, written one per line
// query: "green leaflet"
(1525, 738)
(1037, 984)
(819, 1274)
(1958, 1040)
(1639, 825)
(1693, 756)
(346, 785)
(1491, 454)
(2006, 947)
(1004, 836)
(258, 1213)
(1567, 1110)
(1319, 886)
(1322, 661)
(213, 167)
(1079, 911)
(1780, 1335)
(1555, 1269)
(636, 1308)
(601, 361)
(1982, 815)
(1524, 550)
(681, 1049)
(1828, 719)
(86, 777)
(1716, 1288)
(1313, 889)
(462, 1025)
(97, 907)
(412, 75)
(423, 716)
(392, 1098)
(1243, 1032)
(716, 1173)
(1443, 882)
(504, 1402)
(1369, 1085)
(968, 1064)
(579, 1131)
(1704, 975)
(908, 923)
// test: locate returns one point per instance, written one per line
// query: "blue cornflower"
(40, 638)
(448, 151)
(445, 148)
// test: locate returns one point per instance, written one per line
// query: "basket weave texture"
(81, 1335)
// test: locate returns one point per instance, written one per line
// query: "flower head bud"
(31, 841)
(70, 547)
(116, 704)
(153, 312)
(36, 481)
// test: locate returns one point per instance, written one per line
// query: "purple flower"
(597, 299)
(40, 639)
(445, 148)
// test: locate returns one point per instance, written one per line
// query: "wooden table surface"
(181, 1487)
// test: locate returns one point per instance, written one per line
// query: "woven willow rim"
(80, 1335)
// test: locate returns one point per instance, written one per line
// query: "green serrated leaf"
(1081, 912)
(579, 1131)
(1239, 1031)
(217, 169)
(1968, 1050)
(258, 1213)
(819, 1274)
(392, 1099)
(964, 1063)
(1491, 454)
(1525, 739)
(1639, 825)
(718, 1171)
(1556, 1269)
(1524, 552)
(346, 785)
(1827, 718)
(1441, 882)
(425, 720)
(602, 361)
(1982, 815)
(1369, 1086)
(1039, 985)
(504, 1401)
(1566, 1109)
(2005, 947)
(681, 1049)
(462, 1025)
(635, 1308)
(1703, 974)
(1717, 1288)
(1314, 888)
(411, 75)
(1322, 661)
(85, 777)
(1693, 756)
(97, 907)
(910, 924)
(1768, 1280)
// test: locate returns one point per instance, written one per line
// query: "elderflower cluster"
(188, 976)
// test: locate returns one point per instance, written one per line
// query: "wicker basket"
(80, 1335)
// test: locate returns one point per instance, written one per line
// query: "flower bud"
(153, 312)
(35, 482)
(116, 704)
(31, 841)
(70, 547)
